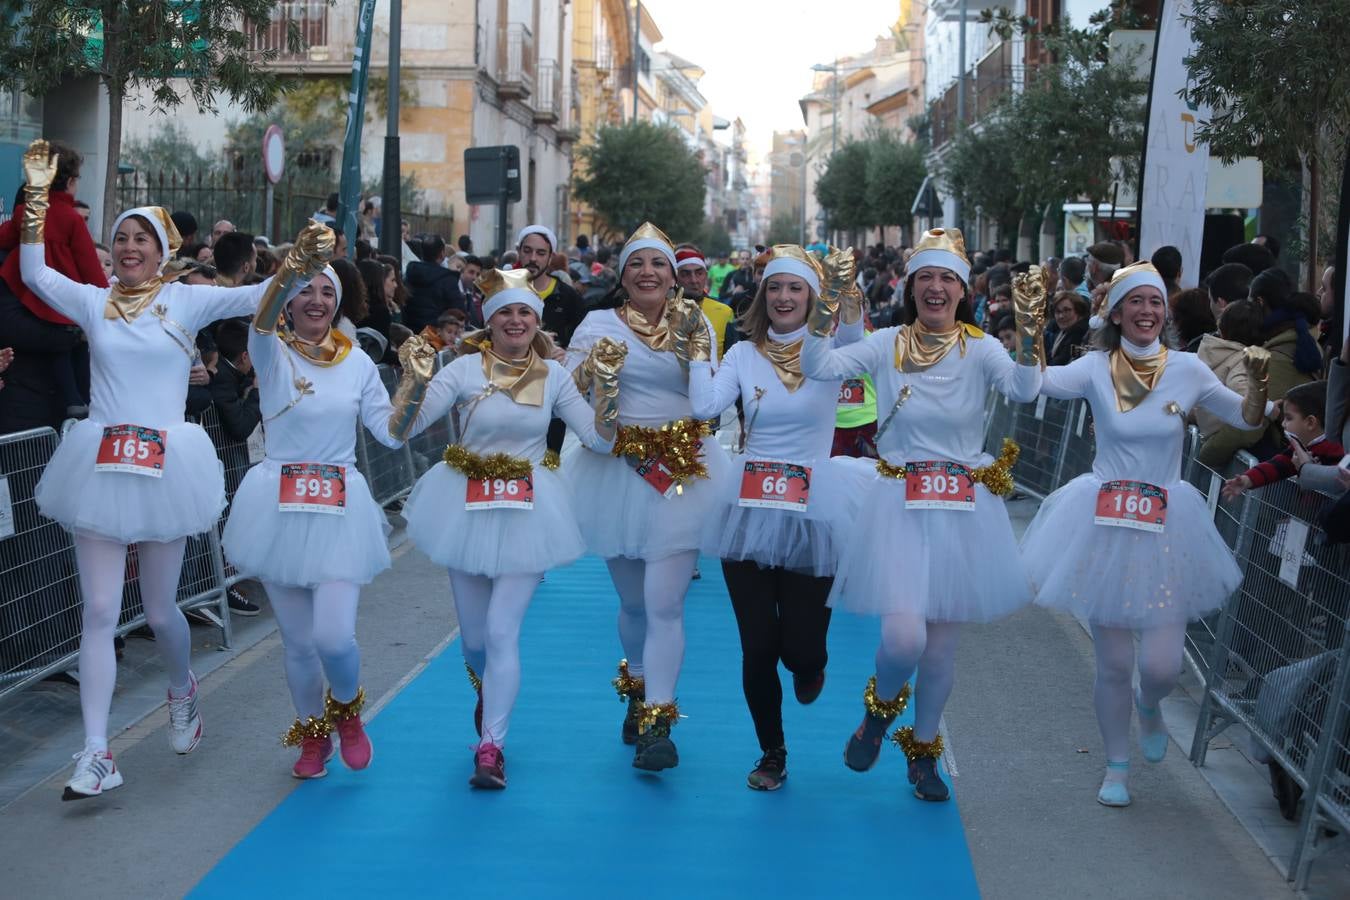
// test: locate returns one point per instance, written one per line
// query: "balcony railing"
(310, 16)
(547, 100)
(515, 61)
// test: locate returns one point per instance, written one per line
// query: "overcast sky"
(758, 54)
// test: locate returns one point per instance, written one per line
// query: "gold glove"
(606, 360)
(693, 343)
(1029, 308)
(1257, 362)
(841, 273)
(820, 321)
(418, 358)
(313, 249)
(39, 168)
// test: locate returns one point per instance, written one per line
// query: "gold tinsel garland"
(309, 728)
(675, 443)
(629, 686)
(997, 476)
(474, 681)
(498, 465)
(884, 709)
(335, 711)
(654, 713)
(552, 461)
(904, 739)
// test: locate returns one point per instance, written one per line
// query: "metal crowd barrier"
(1275, 659)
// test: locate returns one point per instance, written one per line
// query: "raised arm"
(376, 408)
(1246, 412)
(594, 427)
(417, 408)
(81, 303)
(711, 392)
(1019, 383)
(1068, 382)
(312, 251)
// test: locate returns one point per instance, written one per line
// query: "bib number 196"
(499, 493)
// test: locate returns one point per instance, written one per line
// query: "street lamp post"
(636, 6)
(833, 69)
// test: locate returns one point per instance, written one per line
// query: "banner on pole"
(349, 190)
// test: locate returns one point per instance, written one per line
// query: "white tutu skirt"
(808, 541)
(620, 514)
(944, 565)
(303, 549)
(1123, 577)
(492, 542)
(120, 506)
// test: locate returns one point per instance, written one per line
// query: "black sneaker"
(629, 733)
(928, 785)
(808, 687)
(770, 772)
(655, 750)
(241, 605)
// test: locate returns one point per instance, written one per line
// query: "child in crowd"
(1305, 424)
(445, 334)
(1006, 331)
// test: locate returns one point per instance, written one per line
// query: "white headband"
(513, 295)
(1121, 287)
(543, 231)
(786, 265)
(332, 276)
(645, 244)
(144, 212)
(689, 261)
(943, 259)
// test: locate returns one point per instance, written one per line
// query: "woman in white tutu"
(303, 521)
(494, 514)
(645, 507)
(938, 500)
(133, 472)
(779, 528)
(1129, 546)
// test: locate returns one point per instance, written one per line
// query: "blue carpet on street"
(576, 819)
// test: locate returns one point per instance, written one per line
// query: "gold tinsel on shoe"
(309, 728)
(552, 460)
(498, 465)
(884, 709)
(335, 712)
(904, 739)
(653, 713)
(675, 443)
(629, 686)
(997, 476)
(474, 680)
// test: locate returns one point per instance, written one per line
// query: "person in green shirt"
(718, 273)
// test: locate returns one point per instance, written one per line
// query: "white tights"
(491, 611)
(318, 630)
(908, 642)
(102, 564)
(1160, 658)
(651, 617)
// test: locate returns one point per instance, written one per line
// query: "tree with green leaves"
(1272, 73)
(895, 172)
(174, 48)
(785, 229)
(979, 169)
(842, 187)
(642, 172)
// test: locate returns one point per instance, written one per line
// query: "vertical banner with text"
(1175, 166)
(349, 190)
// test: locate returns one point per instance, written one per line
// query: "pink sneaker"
(356, 749)
(489, 768)
(314, 752)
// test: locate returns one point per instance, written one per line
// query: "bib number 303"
(131, 448)
(938, 484)
(1132, 504)
(313, 487)
(499, 493)
(775, 485)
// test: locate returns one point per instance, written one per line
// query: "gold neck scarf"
(655, 335)
(126, 303)
(330, 350)
(786, 360)
(1134, 377)
(917, 348)
(522, 381)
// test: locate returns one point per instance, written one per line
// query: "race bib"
(775, 485)
(852, 392)
(314, 488)
(131, 448)
(938, 484)
(1132, 504)
(656, 473)
(499, 493)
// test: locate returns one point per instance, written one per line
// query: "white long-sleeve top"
(791, 426)
(498, 424)
(322, 426)
(653, 387)
(1145, 443)
(138, 371)
(943, 419)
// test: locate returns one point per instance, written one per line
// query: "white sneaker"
(185, 723)
(95, 772)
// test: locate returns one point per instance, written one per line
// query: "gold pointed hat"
(647, 237)
(503, 287)
(1126, 279)
(942, 247)
(790, 259)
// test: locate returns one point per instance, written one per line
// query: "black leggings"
(557, 430)
(781, 615)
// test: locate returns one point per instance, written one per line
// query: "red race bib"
(314, 488)
(656, 473)
(131, 448)
(499, 493)
(1132, 504)
(775, 485)
(938, 484)
(852, 392)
